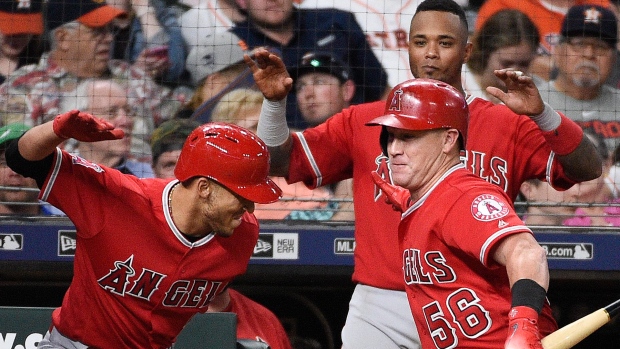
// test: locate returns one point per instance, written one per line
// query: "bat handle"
(613, 309)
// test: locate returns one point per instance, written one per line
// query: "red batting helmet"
(423, 104)
(231, 155)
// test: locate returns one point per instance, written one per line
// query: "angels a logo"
(488, 207)
(81, 161)
(395, 103)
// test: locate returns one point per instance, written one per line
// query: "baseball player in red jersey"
(474, 274)
(503, 147)
(254, 321)
(150, 253)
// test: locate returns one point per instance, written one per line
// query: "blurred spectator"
(107, 99)
(80, 34)
(216, 66)
(323, 86)
(242, 107)
(386, 26)
(166, 144)
(584, 57)
(507, 40)
(298, 31)
(150, 38)
(20, 21)
(208, 17)
(18, 194)
(597, 193)
(544, 205)
(547, 15)
(254, 321)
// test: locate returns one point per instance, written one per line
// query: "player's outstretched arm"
(528, 275)
(576, 153)
(42, 140)
(273, 80)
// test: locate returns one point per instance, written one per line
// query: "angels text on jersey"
(124, 281)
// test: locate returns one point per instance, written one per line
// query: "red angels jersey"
(502, 147)
(256, 322)
(459, 296)
(137, 280)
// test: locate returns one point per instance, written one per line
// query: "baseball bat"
(573, 333)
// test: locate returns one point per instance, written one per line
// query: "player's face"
(319, 96)
(224, 210)
(415, 157)
(438, 46)
(584, 62)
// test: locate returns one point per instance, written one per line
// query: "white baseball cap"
(214, 53)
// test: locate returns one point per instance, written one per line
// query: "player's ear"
(468, 49)
(451, 140)
(204, 186)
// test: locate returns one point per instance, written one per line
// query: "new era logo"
(67, 241)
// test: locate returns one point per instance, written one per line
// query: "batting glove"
(84, 127)
(523, 329)
(398, 197)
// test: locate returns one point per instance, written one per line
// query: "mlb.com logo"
(67, 241)
(277, 246)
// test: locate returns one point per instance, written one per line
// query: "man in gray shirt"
(584, 57)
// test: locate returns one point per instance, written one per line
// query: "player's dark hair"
(504, 28)
(443, 6)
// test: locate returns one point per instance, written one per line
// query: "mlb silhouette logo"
(11, 242)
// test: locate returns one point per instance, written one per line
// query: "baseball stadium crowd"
(177, 60)
(304, 76)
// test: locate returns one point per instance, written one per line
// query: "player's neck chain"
(170, 199)
(188, 237)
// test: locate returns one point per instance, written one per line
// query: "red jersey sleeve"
(487, 212)
(325, 154)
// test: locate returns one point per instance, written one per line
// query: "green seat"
(24, 326)
(27, 326)
(209, 331)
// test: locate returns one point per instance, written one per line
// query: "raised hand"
(270, 74)
(523, 329)
(522, 95)
(84, 127)
(398, 197)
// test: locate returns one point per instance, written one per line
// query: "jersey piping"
(50, 184)
(315, 167)
(175, 230)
